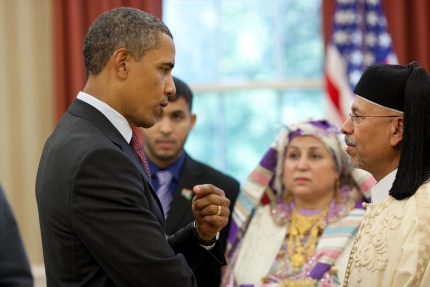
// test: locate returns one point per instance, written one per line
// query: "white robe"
(392, 247)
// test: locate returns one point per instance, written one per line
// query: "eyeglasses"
(357, 117)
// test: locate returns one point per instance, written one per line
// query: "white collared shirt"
(118, 121)
(382, 188)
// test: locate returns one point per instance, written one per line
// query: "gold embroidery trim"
(374, 257)
(423, 213)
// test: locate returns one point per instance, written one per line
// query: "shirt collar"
(175, 168)
(382, 187)
(118, 121)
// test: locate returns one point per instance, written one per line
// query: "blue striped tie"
(164, 179)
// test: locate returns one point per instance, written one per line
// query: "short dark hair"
(128, 28)
(182, 90)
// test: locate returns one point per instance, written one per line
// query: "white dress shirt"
(382, 187)
(119, 122)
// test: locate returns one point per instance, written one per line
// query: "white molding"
(277, 85)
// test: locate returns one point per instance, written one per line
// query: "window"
(251, 65)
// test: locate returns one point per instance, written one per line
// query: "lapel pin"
(187, 193)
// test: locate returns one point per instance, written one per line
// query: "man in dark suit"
(14, 266)
(101, 221)
(164, 148)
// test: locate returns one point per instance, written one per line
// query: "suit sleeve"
(110, 214)
(231, 193)
(14, 266)
(199, 259)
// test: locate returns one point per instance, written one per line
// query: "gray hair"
(128, 28)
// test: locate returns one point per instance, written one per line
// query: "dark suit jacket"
(14, 266)
(100, 219)
(180, 213)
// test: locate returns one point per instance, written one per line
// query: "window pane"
(302, 44)
(241, 40)
(194, 26)
(301, 105)
(235, 129)
(248, 42)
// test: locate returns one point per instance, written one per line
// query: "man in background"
(14, 266)
(174, 172)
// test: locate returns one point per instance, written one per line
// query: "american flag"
(359, 39)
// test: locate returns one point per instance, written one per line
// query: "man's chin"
(355, 163)
(167, 155)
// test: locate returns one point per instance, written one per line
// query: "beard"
(358, 162)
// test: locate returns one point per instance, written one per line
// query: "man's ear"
(121, 62)
(397, 131)
(192, 121)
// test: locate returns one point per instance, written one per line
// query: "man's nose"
(170, 89)
(165, 126)
(347, 127)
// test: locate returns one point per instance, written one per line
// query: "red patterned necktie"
(137, 147)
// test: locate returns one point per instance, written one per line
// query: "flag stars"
(372, 18)
(340, 37)
(356, 57)
(392, 58)
(369, 59)
(372, 2)
(384, 40)
(370, 39)
(354, 77)
(356, 37)
(345, 17)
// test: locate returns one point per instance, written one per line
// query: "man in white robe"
(388, 135)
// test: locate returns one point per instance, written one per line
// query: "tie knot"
(164, 177)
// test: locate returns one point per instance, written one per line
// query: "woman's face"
(309, 170)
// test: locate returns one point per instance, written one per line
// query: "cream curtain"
(26, 107)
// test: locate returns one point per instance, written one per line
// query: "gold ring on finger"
(219, 210)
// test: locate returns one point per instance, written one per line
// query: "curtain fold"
(72, 18)
(26, 108)
(408, 24)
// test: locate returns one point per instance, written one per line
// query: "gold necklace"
(306, 282)
(300, 225)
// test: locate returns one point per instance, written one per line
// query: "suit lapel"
(81, 109)
(180, 205)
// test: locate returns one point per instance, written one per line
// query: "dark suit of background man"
(164, 144)
(101, 221)
(14, 266)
